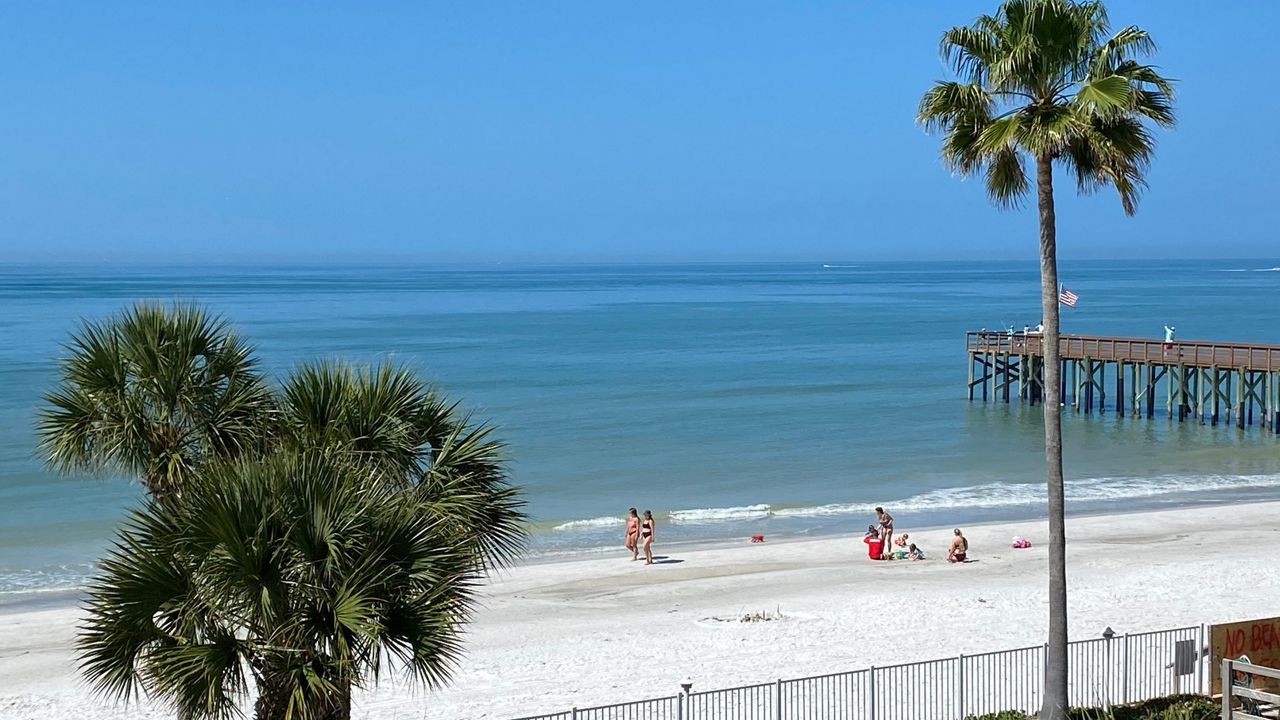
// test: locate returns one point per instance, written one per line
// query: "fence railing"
(1238, 690)
(1110, 670)
(1197, 353)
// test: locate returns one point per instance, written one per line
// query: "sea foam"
(981, 496)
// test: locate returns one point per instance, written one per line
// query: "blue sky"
(572, 131)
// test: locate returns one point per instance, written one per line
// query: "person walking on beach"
(886, 526)
(646, 537)
(633, 533)
(959, 548)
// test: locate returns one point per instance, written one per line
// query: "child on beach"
(915, 553)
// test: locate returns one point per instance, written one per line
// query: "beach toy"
(1020, 543)
(757, 538)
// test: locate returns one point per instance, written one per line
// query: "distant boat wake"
(839, 266)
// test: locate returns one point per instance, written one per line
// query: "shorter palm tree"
(295, 573)
(155, 392)
(387, 419)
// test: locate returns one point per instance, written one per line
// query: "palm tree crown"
(1047, 78)
(155, 392)
(403, 431)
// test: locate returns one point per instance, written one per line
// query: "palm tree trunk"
(1055, 685)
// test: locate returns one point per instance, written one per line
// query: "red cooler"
(875, 546)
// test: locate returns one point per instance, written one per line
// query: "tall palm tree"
(294, 575)
(156, 392)
(1047, 81)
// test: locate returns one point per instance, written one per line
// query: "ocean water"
(729, 399)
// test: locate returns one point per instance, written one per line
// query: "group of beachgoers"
(640, 535)
(881, 541)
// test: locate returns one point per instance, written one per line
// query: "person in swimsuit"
(646, 537)
(959, 548)
(633, 533)
(886, 526)
(915, 553)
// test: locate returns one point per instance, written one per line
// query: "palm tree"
(344, 436)
(155, 392)
(293, 574)
(1047, 80)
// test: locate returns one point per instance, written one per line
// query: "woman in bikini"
(959, 551)
(886, 525)
(646, 537)
(633, 533)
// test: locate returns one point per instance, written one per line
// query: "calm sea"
(729, 399)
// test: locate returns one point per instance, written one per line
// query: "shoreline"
(61, 597)
(589, 631)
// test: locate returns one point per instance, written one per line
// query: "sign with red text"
(1259, 640)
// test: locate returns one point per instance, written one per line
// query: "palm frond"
(1006, 180)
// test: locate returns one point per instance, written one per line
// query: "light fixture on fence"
(686, 685)
(1108, 633)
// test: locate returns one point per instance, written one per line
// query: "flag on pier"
(1066, 297)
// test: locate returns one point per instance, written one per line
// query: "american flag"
(1066, 297)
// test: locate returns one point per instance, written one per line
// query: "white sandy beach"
(603, 630)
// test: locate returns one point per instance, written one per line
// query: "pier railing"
(1109, 670)
(1192, 353)
(1204, 380)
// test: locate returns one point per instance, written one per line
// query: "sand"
(601, 630)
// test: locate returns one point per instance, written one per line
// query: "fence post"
(871, 704)
(1124, 668)
(1106, 669)
(1044, 667)
(777, 700)
(1200, 663)
(960, 683)
(573, 714)
(680, 699)
(1226, 688)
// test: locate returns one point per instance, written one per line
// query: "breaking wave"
(982, 496)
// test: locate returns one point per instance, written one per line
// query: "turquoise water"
(730, 399)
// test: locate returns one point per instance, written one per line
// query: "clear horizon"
(576, 134)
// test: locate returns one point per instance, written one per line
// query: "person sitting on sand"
(901, 540)
(872, 531)
(886, 525)
(646, 536)
(959, 548)
(914, 552)
(633, 534)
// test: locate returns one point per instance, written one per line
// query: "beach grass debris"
(760, 616)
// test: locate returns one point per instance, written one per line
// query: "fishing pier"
(1212, 381)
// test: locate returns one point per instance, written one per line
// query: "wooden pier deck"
(1212, 381)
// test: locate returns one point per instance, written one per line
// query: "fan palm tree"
(344, 436)
(1047, 81)
(155, 392)
(403, 431)
(294, 575)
